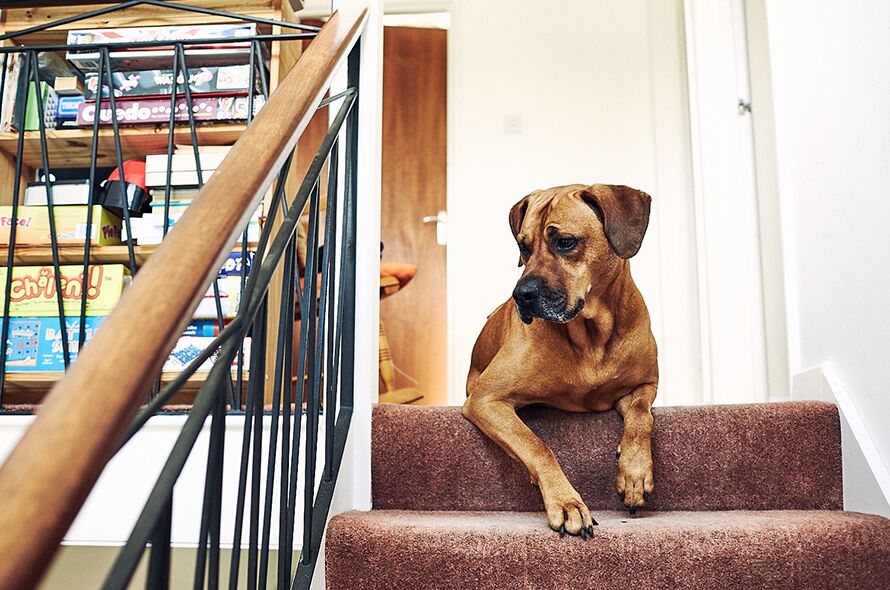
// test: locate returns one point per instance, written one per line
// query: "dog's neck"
(601, 318)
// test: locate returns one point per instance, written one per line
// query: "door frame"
(756, 367)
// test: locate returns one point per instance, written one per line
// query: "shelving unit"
(30, 388)
(71, 148)
(39, 255)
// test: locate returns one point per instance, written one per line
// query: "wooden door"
(413, 187)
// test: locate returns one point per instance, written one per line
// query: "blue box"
(35, 344)
(232, 265)
(67, 107)
(201, 328)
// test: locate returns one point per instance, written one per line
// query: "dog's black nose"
(527, 290)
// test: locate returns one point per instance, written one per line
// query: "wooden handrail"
(49, 474)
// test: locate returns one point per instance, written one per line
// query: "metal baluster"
(307, 310)
(254, 389)
(118, 152)
(212, 500)
(311, 294)
(159, 557)
(170, 142)
(284, 575)
(94, 154)
(347, 373)
(330, 406)
(51, 215)
(10, 250)
(264, 85)
(285, 318)
(258, 353)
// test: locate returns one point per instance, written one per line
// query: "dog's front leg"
(497, 418)
(635, 481)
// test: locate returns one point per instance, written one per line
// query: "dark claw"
(583, 533)
(645, 496)
(590, 531)
(562, 531)
(633, 509)
(621, 496)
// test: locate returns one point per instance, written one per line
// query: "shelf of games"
(107, 133)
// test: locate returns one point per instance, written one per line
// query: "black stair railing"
(81, 425)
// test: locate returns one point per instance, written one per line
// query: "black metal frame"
(325, 344)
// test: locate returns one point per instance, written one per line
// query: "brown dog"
(593, 351)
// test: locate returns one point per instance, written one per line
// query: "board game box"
(207, 80)
(188, 348)
(33, 290)
(32, 226)
(35, 343)
(157, 110)
(222, 45)
(229, 298)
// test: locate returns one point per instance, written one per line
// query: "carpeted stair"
(745, 497)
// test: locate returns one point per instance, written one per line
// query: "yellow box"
(32, 225)
(34, 289)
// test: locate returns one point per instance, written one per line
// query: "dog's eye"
(566, 245)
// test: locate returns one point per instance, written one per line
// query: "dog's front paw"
(566, 511)
(635, 481)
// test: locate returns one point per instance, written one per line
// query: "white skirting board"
(866, 475)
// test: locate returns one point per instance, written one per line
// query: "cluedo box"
(32, 226)
(33, 292)
(35, 343)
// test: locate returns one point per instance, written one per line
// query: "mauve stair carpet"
(746, 496)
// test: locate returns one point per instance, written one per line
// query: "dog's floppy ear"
(624, 212)
(517, 214)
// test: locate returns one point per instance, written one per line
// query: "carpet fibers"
(746, 497)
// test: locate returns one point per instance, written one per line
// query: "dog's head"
(571, 239)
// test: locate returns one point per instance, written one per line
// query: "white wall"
(831, 81)
(590, 91)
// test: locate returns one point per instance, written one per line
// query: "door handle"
(441, 221)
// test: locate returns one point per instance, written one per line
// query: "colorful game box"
(157, 110)
(229, 298)
(202, 328)
(32, 226)
(35, 343)
(33, 292)
(224, 45)
(207, 80)
(188, 348)
(232, 265)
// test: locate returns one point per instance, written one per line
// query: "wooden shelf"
(31, 388)
(70, 148)
(41, 255)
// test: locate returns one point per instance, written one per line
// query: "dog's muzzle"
(533, 299)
